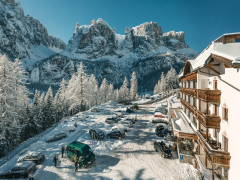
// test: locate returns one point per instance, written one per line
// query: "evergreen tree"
(134, 86)
(124, 91)
(103, 91)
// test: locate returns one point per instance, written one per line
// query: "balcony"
(207, 95)
(208, 121)
(213, 151)
(189, 77)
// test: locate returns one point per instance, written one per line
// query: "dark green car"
(82, 151)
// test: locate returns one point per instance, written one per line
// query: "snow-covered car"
(36, 157)
(131, 119)
(159, 120)
(161, 109)
(20, 170)
(111, 120)
(126, 123)
(116, 134)
(95, 110)
(164, 132)
(96, 134)
(56, 137)
(70, 129)
(120, 127)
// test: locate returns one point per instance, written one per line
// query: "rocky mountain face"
(144, 49)
(24, 37)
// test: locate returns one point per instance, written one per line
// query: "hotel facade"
(207, 125)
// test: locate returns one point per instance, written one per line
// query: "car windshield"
(86, 150)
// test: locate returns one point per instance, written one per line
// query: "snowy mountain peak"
(23, 36)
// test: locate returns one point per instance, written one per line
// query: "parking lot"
(130, 158)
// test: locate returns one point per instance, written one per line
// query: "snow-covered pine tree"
(9, 111)
(110, 95)
(63, 104)
(117, 98)
(162, 87)
(124, 91)
(103, 91)
(48, 109)
(134, 86)
(92, 89)
(41, 117)
(80, 94)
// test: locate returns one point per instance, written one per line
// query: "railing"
(209, 121)
(205, 95)
(218, 157)
(209, 95)
(189, 77)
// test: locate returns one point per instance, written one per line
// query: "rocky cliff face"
(23, 36)
(144, 49)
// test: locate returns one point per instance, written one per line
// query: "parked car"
(164, 150)
(56, 137)
(129, 110)
(127, 103)
(131, 119)
(126, 123)
(159, 120)
(161, 109)
(95, 110)
(36, 157)
(70, 128)
(164, 132)
(116, 134)
(20, 170)
(120, 127)
(83, 151)
(111, 120)
(159, 128)
(96, 134)
(120, 113)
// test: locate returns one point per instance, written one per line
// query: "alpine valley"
(144, 49)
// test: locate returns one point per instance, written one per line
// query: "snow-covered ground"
(131, 158)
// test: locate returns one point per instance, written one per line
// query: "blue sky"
(201, 20)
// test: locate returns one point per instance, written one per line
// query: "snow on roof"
(180, 124)
(230, 51)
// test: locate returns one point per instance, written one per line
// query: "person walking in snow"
(76, 163)
(62, 151)
(55, 161)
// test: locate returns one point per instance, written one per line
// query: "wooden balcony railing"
(189, 77)
(205, 95)
(216, 156)
(209, 95)
(209, 121)
(191, 108)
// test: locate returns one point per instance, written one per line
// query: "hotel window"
(189, 84)
(225, 143)
(194, 84)
(225, 114)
